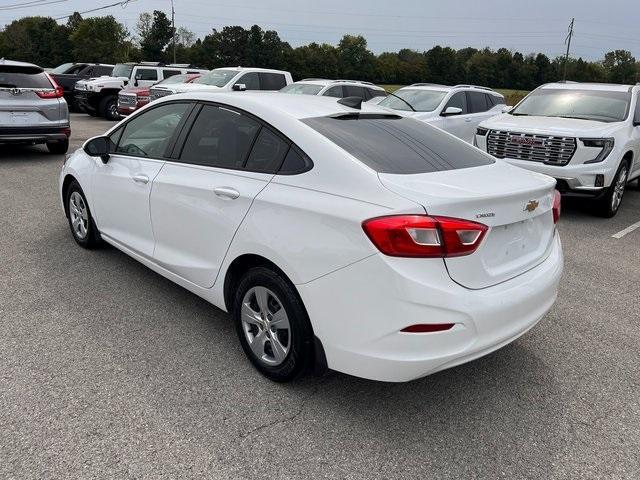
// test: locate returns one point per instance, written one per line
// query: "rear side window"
(353, 91)
(272, 81)
(477, 102)
(146, 74)
(170, 73)
(398, 145)
(23, 77)
(637, 116)
(220, 138)
(496, 100)
(458, 100)
(268, 152)
(295, 162)
(334, 92)
(251, 80)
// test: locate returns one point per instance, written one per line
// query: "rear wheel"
(109, 107)
(272, 325)
(58, 148)
(81, 222)
(610, 203)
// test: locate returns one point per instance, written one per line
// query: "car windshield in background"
(217, 78)
(175, 79)
(122, 70)
(62, 68)
(598, 105)
(392, 144)
(23, 77)
(302, 89)
(420, 100)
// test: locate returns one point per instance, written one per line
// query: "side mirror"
(239, 87)
(450, 111)
(99, 147)
(506, 109)
(135, 82)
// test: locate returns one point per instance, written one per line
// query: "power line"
(33, 3)
(122, 4)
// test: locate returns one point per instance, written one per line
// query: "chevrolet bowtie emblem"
(531, 206)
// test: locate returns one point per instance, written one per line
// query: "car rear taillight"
(557, 206)
(424, 236)
(57, 91)
(428, 328)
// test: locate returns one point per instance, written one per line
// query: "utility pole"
(568, 42)
(173, 26)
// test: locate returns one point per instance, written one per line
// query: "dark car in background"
(67, 74)
(32, 108)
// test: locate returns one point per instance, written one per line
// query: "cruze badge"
(531, 206)
(486, 215)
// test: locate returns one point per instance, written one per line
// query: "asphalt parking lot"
(107, 370)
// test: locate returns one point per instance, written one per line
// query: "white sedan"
(337, 235)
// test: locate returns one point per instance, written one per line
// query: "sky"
(519, 25)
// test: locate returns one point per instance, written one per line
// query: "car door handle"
(140, 179)
(226, 192)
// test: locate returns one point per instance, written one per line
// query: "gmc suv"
(585, 135)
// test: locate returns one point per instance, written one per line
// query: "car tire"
(81, 223)
(109, 107)
(59, 148)
(610, 202)
(91, 113)
(272, 324)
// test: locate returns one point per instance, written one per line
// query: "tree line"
(44, 41)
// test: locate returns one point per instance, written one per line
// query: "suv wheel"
(109, 107)
(272, 325)
(59, 148)
(611, 201)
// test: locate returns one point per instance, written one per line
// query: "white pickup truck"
(585, 135)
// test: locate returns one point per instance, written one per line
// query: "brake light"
(557, 206)
(428, 327)
(57, 91)
(423, 236)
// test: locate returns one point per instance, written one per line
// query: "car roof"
(325, 82)
(449, 88)
(13, 63)
(609, 87)
(294, 106)
(251, 69)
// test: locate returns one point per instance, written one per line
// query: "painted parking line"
(627, 230)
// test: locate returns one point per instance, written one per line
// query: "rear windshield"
(23, 77)
(391, 144)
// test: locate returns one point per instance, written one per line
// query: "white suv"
(337, 88)
(457, 110)
(586, 135)
(229, 78)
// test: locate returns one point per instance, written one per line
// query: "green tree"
(155, 33)
(620, 66)
(73, 22)
(354, 58)
(100, 39)
(313, 60)
(39, 40)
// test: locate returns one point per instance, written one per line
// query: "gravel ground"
(107, 370)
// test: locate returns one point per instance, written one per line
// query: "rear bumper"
(358, 312)
(37, 134)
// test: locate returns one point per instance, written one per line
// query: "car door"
(145, 77)
(479, 111)
(250, 80)
(121, 187)
(272, 81)
(457, 125)
(200, 198)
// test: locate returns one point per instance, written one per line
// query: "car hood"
(189, 87)
(568, 127)
(136, 90)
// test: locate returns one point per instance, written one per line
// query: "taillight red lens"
(557, 206)
(424, 236)
(57, 91)
(428, 328)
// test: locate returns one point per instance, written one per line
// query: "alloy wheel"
(619, 188)
(266, 326)
(79, 215)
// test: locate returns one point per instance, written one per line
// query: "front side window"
(335, 92)
(149, 134)
(477, 102)
(250, 80)
(302, 89)
(220, 137)
(217, 78)
(597, 105)
(272, 81)
(458, 100)
(398, 145)
(147, 74)
(418, 99)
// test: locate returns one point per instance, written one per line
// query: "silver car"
(32, 107)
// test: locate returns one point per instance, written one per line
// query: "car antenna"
(353, 102)
(400, 98)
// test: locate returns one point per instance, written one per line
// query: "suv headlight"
(606, 144)
(482, 131)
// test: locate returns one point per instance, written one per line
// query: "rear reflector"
(422, 236)
(557, 206)
(428, 327)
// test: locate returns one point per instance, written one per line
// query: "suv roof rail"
(353, 81)
(474, 86)
(423, 84)
(155, 64)
(315, 80)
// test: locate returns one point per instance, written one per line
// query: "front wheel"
(81, 222)
(109, 108)
(610, 203)
(272, 325)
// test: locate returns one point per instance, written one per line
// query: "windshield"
(598, 105)
(217, 78)
(122, 70)
(175, 79)
(420, 100)
(62, 68)
(302, 89)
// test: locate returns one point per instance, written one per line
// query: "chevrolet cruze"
(337, 234)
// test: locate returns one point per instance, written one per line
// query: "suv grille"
(127, 100)
(156, 93)
(536, 148)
